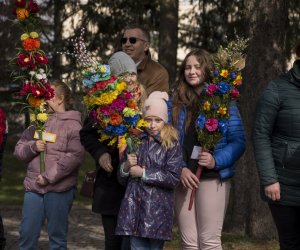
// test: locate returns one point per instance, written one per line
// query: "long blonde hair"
(185, 95)
(169, 136)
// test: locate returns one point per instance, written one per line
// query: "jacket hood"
(68, 115)
(293, 75)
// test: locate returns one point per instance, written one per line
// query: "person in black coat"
(276, 141)
(108, 193)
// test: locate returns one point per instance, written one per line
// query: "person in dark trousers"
(276, 140)
(3, 134)
(108, 192)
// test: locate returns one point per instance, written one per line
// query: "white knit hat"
(121, 63)
(156, 105)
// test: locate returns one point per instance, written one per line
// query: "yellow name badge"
(49, 137)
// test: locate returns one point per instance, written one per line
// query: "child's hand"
(40, 146)
(136, 171)
(130, 162)
(206, 160)
(42, 181)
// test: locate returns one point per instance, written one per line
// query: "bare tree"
(168, 30)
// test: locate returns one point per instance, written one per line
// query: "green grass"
(12, 191)
(230, 242)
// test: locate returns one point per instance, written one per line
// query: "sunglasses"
(132, 40)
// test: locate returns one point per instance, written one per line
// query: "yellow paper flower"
(102, 69)
(222, 111)
(121, 86)
(34, 34)
(42, 117)
(206, 106)
(224, 73)
(238, 80)
(103, 137)
(104, 99)
(24, 36)
(122, 141)
(112, 142)
(142, 124)
(32, 117)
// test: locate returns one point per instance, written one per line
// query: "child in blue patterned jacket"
(146, 212)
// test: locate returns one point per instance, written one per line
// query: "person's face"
(155, 124)
(135, 45)
(193, 72)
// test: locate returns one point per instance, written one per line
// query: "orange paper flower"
(115, 119)
(22, 14)
(34, 101)
(31, 44)
(132, 104)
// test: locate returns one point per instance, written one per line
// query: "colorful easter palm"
(32, 69)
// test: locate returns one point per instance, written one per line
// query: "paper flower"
(212, 121)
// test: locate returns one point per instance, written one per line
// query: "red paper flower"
(34, 8)
(25, 61)
(21, 3)
(33, 88)
(42, 59)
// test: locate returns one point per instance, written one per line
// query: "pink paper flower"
(105, 110)
(118, 104)
(211, 89)
(211, 124)
(235, 93)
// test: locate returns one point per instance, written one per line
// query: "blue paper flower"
(223, 87)
(109, 130)
(88, 83)
(120, 130)
(95, 78)
(215, 73)
(132, 120)
(233, 75)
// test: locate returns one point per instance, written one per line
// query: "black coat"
(276, 136)
(108, 193)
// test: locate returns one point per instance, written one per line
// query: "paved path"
(85, 230)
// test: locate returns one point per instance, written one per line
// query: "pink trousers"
(201, 227)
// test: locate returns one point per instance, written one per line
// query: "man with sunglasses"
(136, 42)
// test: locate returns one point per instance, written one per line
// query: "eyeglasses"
(132, 40)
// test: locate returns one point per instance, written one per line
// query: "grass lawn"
(11, 193)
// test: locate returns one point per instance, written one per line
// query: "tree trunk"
(268, 22)
(168, 29)
(59, 8)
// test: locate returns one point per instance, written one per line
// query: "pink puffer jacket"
(62, 158)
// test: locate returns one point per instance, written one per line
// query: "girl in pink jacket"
(50, 195)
